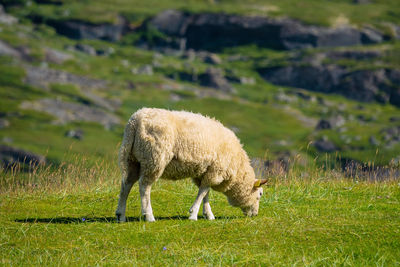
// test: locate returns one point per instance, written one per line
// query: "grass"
(65, 216)
(323, 12)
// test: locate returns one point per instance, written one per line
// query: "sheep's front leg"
(194, 210)
(145, 190)
(207, 213)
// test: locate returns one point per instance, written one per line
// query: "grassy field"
(63, 213)
(323, 12)
(65, 216)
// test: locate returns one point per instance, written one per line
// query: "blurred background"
(310, 82)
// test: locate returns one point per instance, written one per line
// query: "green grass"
(323, 12)
(321, 221)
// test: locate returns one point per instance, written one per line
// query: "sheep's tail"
(125, 151)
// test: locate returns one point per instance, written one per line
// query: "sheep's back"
(191, 143)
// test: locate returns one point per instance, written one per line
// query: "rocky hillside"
(294, 85)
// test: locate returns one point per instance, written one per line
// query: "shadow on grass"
(70, 220)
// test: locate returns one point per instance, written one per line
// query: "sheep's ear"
(260, 182)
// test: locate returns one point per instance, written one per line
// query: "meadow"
(64, 215)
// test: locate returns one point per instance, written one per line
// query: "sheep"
(174, 145)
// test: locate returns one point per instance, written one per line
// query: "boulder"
(6, 18)
(361, 2)
(371, 36)
(323, 124)
(373, 141)
(87, 49)
(382, 85)
(55, 56)
(4, 123)
(354, 54)
(75, 134)
(42, 77)
(171, 22)
(68, 112)
(11, 155)
(215, 31)
(77, 29)
(214, 78)
(143, 70)
(325, 146)
(212, 58)
(7, 50)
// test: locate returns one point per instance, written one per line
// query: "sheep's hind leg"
(145, 189)
(207, 213)
(126, 186)
(194, 210)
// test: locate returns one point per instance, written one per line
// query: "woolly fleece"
(178, 144)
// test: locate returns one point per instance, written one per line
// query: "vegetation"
(314, 214)
(65, 216)
(324, 12)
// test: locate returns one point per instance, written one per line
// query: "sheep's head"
(251, 207)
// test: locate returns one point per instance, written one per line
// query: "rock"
(189, 54)
(371, 36)
(238, 58)
(396, 32)
(391, 133)
(323, 124)
(67, 112)
(215, 31)
(50, 2)
(373, 141)
(143, 70)
(354, 54)
(278, 166)
(380, 85)
(170, 22)
(11, 155)
(394, 119)
(361, 2)
(325, 146)
(43, 77)
(105, 51)
(212, 59)
(366, 171)
(75, 133)
(247, 80)
(7, 140)
(337, 121)
(4, 123)
(6, 18)
(77, 29)
(315, 78)
(394, 77)
(215, 79)
(306, 96)
(282, 97)
(21, 52)
(55, 56)
(87, 49)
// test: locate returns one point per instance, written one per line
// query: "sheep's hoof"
(150, 218)
(120, 218)
(209, 216)
(193, 217)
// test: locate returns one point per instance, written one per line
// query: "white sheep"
(177, 144)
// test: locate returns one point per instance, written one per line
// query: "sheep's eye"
(261, 194)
